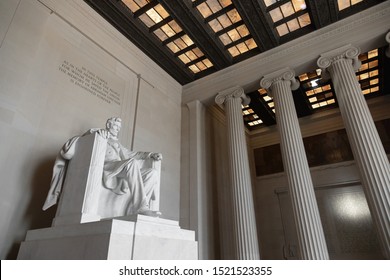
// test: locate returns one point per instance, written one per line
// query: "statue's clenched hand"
(156, 156)
(103, 133)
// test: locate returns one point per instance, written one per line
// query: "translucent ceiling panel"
(160, 23)
(344, 4)
(168, 30)
(251, 119)
(318, 92)
(267, 99)
(368, 73)
(288, 16)
(228, 26)
(135, 5)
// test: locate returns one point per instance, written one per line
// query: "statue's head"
(114, 125)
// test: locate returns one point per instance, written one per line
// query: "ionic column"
(367, 147)
(245, 232)
(310, 233)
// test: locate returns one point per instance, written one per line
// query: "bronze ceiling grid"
(255, 15)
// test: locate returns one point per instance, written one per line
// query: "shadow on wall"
(34, 217)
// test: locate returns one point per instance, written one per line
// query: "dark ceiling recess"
(191, 39)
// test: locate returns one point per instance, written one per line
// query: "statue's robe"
(123, 174)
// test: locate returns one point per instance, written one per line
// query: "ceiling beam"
(276, 4)
(290, 17)
(357, 8)
(121, 18)
(179, 53)
(261, 109)
(219, 13)
(145, 8)
(385, 67)
(301, 104)
(160, 24)
(322, 12)
(235, 43)
(230, 27)
(198, 2)
(173, 38)
(193, 24)
(195, 61)
(254, 16)
(365, 30)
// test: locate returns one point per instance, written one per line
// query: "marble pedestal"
(136, 237)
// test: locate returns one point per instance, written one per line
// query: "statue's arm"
(101, 131)
(141, 155)
(136, 155)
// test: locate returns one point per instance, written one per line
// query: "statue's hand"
(103, 133)
(156, 156)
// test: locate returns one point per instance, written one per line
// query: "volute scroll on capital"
(348, 52)
(236, 92)
(287, 75)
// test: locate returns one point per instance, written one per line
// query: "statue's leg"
(132, 174)
(149, 177)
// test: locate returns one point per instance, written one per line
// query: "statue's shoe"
(148, 212)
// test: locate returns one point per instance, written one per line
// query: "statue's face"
(114, 128)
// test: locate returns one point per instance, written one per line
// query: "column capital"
(347, 52)
(234, 92)
(388, 41)
(193, 104)
(285, 74)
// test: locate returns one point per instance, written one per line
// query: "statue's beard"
(113, 135)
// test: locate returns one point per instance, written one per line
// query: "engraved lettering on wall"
(91, 82)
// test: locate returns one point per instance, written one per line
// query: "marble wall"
(64, 70)
(343, 209)
(204, 198)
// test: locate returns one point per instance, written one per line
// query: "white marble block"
(135, 237)
(84, 198)
(82, 186)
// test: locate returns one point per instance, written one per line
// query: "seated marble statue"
(122, 173)
(129, 186)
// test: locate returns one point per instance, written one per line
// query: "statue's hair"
(113, 120)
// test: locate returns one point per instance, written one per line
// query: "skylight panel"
(267, 99)
(319, 93)
(344, 4)
(288, 16)
(169, 32)
(368, 73)
(226, 22)
(135, 5)
(251, 119)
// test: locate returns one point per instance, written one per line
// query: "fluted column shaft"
(245, 232)
(367, 147)
(310, 233)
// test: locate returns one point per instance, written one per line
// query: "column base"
(136, 237)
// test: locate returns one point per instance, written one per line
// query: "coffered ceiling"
(191, 39)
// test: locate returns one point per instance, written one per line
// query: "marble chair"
(83, 198)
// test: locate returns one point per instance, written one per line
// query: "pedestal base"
(127, 238)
